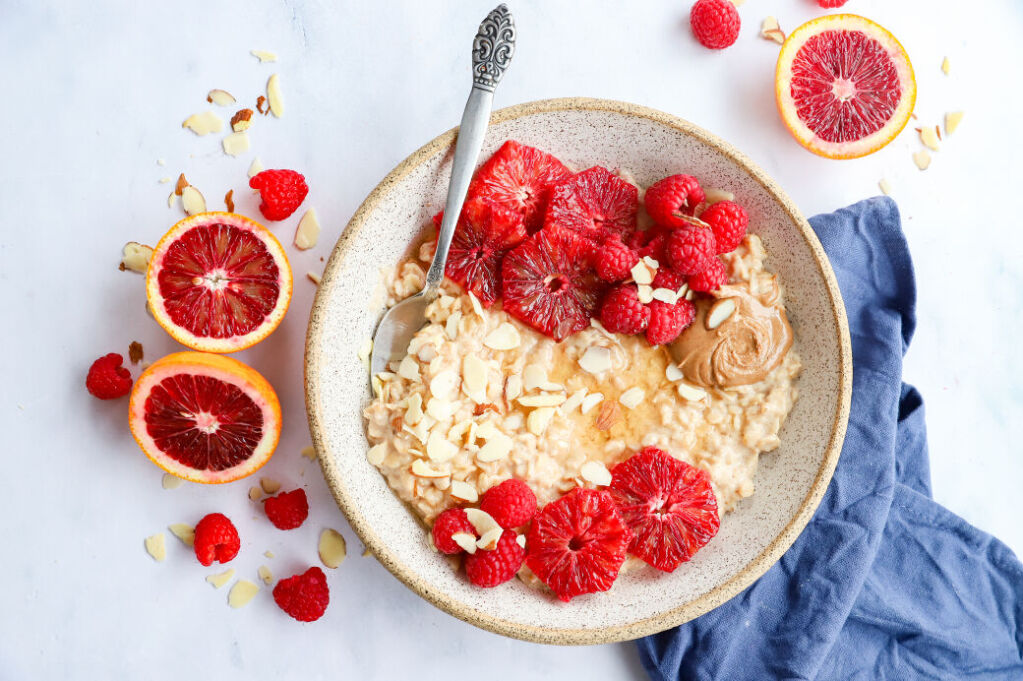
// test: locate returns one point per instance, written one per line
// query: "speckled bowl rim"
(689, 610)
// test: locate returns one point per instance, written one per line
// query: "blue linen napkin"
(883, 583)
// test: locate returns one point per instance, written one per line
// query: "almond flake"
(457, 432)
(945, 66)
(573, 401)
(135, 257)
(236, 143)
(313, 277)
(544, 400)
(481, 521)
(366, 351)
(691, 392)
(770, 30)
(268, 553)
(204, 123)
(712, 196)
(156, 547)
(539, 419)
(424, 470)
(719, 312)
(438, 448)
(521, 540)
(414, 409)
(513, 387)
(608, 416)
(464, 491)
(440, 409)
(255, 493)
(220, 98)
(673, 373)
(595, 472)
(652, 264)
(265, 574)
(690, 294)
(474, 377)
(241, 593)
(184, 532)
(332, 548)
(641, 274)
(221, 578)
(409, 368)
(885, 186)
(451, 325)
(256, 167)
(273, 95)
(376, 454)
(476, 307)
(591, 401)
(596, 359)
(504, 337)
(632, 397)
(922, 159)
(171, 481)
(263, 56)
(308, 232)
(269, 485)
(466, 541)
(242, 120)
(445, 385)
(929, 138)
(497, 447)
(192, 200)
(164, 180)
(533, 376)
(309, 453)
(952, 121)
(181, 184)
(665, 295)
(488, 541)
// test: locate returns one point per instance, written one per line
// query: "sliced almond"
(184, 532)
(242, 120)
(922, 159)
(463, 491)
(632, 397)
(445, 385)
(366, 351)
(573, 401)
(481, 521)
(474, 377)
(591, 401)
(409, 368)
(268, 553)
(952, 121)
(181, 184)
(476, 307)
(488, 541)
(673, 373)
(236, 143)
(256, 167)
(644, 293)
(269, 485)
(241, 593)
(596, 359)
(221, 578)
(439, 409)
(652, 264)
(521, 540)
(713, 196)
(542, 400)
(171, 481)
(332, 548)
(929, 138)
(309, 453)
(376, 454)
(164, 180)
(719, 312)
(512, 387)
(610, 414)
(273, 95)
(665, 295)
(945, 66)
(265, 574)
(263, 56)
(422, 469)
(596, 473)
(156, 547)
(313, 277)
(641, 274)
(255, 493)
(204, 123)
(533, 376)
(451, 325)
(466, 541)
(414, 409)
(497, 447)
(539, 419)
(192, 200)
(308, 232)
(439, 448)
(135, 257)
(693, 393)
(770, 30)
(885, 186)
(220, 98)
(504, 337)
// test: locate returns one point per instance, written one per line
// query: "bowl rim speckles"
(387, 553)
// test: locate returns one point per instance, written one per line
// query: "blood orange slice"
(205, 417)
(845, 86)
(218, 282)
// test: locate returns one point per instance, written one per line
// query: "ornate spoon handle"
(492, 50)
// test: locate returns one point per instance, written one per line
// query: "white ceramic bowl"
(790, 481)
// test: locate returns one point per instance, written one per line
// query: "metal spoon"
(492, 51)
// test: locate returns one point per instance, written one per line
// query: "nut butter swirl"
(744, 348)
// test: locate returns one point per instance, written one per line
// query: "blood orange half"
(845, 86)
(218, 282)
(205, 417)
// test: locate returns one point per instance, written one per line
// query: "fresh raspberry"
(668, 199)
(576, 544)
(656, 247)
(667, 321)
(615, 260)
(216, 539)
(711, 278)
(831, 4)
(451, 521)
(107, 379)
(622, 312)
(490, 568)
(282, 192)
(510, 503)
(305, 596)
(668, 279)
(728, 221)
(690, 249)
(287, 510)
(668, 504)
(715, 23)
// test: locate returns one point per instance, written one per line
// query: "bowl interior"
(790, 480)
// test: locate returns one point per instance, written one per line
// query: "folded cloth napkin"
(883, 583)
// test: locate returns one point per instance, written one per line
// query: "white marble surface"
(94, 94)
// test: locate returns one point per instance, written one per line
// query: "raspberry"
(451, 521)
(490, 568)
(615, 260)
(656, 247)
(668, 279)
(690, 249)
(728, 221)
(715, 23)
(711, 278)
(622, 312)
(675, 195)
(667, 321)
(510, 503)
(831, 4)
(282, 192)
(305, 596)
(287, 510)
(107, 379)
(216, 539)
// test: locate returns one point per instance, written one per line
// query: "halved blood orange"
(845, 86)
(218, 282)
(205, 417)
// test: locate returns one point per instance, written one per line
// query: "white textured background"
(95, 92)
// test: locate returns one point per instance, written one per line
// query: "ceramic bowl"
(790, 481)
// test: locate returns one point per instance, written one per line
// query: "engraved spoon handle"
(492, 51)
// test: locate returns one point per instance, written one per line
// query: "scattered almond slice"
(269, 485)
(220, 98)
(481, 521)
(488, 541)
(256, 167)
(242, 120)
(263, 56)
(376, 454)
(156, 547)
(192, 200)
(591, 401)
(408, 368)
(521, 540)
(171, 481)
(929, 138)
(255, 493)
(265, 575)
(652, 264)
(241, 593)
(451, 325)
(609, 415)
(313, 277)
(365, 352)
(439, 448)
(641, 274)
(135, 352)
(171, 200)
(539, 419)
(273, 95)
(268, 553)
(414, 409)
(952, 121)
(308, 232)
(422, 469)
(236, 143)
(184, 532)
(466, 541)
(135, 257)
(665, 295)
(474, 377)
(945, 66)
(770, 30)
(164, 180)
(574, 400)
(596, 473)
(221, 578)
(632, 397)
(691, 392)
(533, 376)
(922, 159)
(179, 187)
(504, 337)
(673, 373)
(445, 385)
(595, 359)
(440, 410)
(885, 186)
(463, 491)
(645, 294)
(513, 387)
(332, 548)
(204, 123)
(719, 312)
(543, 400)
(712, 196)
(497, 447)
